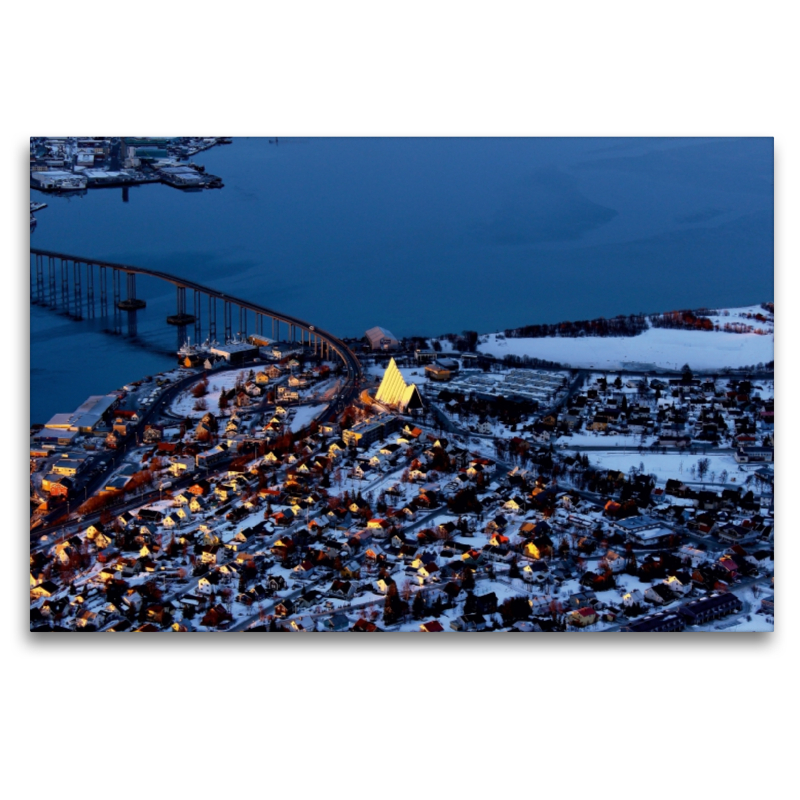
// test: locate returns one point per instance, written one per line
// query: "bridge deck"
(336, 344)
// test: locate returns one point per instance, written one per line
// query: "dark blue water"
(422, 236)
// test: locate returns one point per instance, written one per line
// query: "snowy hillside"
(665, 348)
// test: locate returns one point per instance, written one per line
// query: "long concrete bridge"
(88, 287)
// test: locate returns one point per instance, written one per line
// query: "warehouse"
(236, 352)
(86, 416)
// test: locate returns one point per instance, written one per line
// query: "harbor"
(77, 164)
(34, 208)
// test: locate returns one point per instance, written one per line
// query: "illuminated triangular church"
(395, 392)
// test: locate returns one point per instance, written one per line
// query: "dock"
(61, 165)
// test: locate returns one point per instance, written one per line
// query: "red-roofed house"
(583, 617)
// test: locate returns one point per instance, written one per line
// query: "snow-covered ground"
(591, 439)
(183, 405)
(668, 465)
(410, 374)
(758, 623)
(742, 315)
(657, 347)
(304, 415)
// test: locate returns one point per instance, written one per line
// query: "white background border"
(606, 716)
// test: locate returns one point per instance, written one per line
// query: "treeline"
(466, 342)
(510, 360)
(631, 325)
(741, 327)
(685, 320)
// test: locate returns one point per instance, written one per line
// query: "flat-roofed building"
(179, 175)
(59, 421)
(57, 180)
(68, 466)
(644, 530)
(54, 437)
(235, 352)
(747, 455)
(436, 372)
(425, 356)
(281, 350)
(365, 433)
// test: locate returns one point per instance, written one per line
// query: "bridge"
(88, 287)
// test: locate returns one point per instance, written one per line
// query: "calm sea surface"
(422, 236)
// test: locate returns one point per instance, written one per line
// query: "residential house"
(714, 606)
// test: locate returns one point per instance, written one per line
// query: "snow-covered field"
(590, 439)
(758, 623)
(183, 405)
(657, 347)
(304, 415)
(669, 465)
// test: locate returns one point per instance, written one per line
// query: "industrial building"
(84, 419)
(235, 352)
(381, 339)
(48, 438)
(281, 350)
(57, 180)
(90, 413)
(181, 176)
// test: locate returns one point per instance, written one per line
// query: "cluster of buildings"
(385, 524)
(679, 414)
(521, 384)
(239, 351)
(69, 164)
